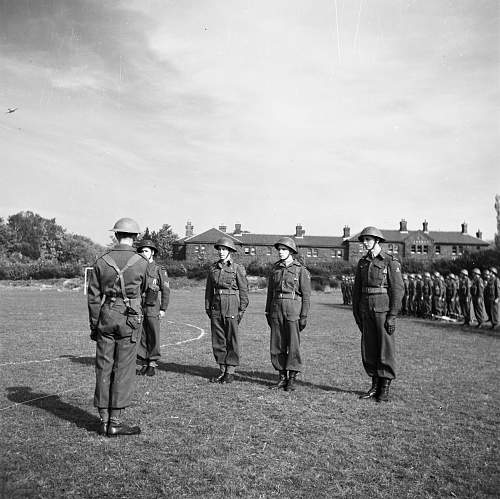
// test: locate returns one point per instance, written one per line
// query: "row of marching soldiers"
(455, 297)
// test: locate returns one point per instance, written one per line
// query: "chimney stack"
(237, 230)
(425, 226)
(189, 229)
(479, 234)
(347, 232)
(299, 232)
(223, 228)
(464, 228)
(403, 226)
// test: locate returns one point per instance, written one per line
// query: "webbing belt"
(132, 261)
(374, 291)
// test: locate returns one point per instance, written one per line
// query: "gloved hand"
(209, 313)
(240, 316)
(268, 319)
(302, 323)
(93, 333)
(390, 324)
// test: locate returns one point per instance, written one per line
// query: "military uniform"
(226, 299)
(493, 294)
(427, 296)
(115, 321)
(288, 300)
(378, 292)
(477, 294)
(464, 296)
(156, 284)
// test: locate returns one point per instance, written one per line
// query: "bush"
(176, 269)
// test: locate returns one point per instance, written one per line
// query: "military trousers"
(225, 341)
(285, 335)
(479, 310)
(149, 345)
(437, 305)
(116, 351)
(465, 309)
(377, 347)
(494, 312)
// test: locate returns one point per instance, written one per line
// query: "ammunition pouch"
(151, 297)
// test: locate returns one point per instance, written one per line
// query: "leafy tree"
(164, 239)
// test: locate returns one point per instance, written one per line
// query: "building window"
(247, 250)
(437, 249)
(395, 248)
(196, 249)
(460, 250)
(308, 252)
(314, 252)
(339, 254)
(413, 249)
(252, 250)
(426, 249)
(419, 249)
(392, 248)
(453, 251)
(269, 250)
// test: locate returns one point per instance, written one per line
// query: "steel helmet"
(476, 271)
(493, 270)
(436, 274)
(127, 225)
(226, 242)
(427, 274)
(464, 272)
(288, 242)
(146, 243)
(371, 231)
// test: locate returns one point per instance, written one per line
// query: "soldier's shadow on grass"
(53, 404)
(253, 377)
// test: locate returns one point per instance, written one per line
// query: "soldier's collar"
(225, 263)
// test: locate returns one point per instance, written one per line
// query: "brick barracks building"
(415, 244)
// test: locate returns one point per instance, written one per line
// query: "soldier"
(494, 297)
(464, 296)
(438, 293)
(427, 296)
(411, 294)
(452, 296)
(477, 294)
(404, 306)
(378, 291)
(287, 306)
(114, 303)
(419, 296)
(154, 309)
(486, 295)
(226, 299)
(343, 289)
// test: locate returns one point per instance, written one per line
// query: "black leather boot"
(282, 383)
(218, 378)
(373, 390)
(290, 386)
(117, 429)
(383, 393)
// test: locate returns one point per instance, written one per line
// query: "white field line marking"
(202, 333)
(56, 359)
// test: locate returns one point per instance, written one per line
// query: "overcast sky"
(266, 113)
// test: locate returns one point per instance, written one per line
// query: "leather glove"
(268, 319)
(93, 333)
(302, 323)
(240, 316)
(390, 324)
(209, 313)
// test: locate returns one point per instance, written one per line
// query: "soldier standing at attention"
(154, 309)
(378, 291)
(477, 293)
(411, 294)
(427, 296)
(438, 293)
(226, 299)
(404, 306)
(114, 303)
(464, 296)
(287, 306)
(494, 297)
(419, 300)
(486, 295)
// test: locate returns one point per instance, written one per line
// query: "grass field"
(438, 437)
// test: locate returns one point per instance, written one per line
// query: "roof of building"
(249, 239)
(437, 237)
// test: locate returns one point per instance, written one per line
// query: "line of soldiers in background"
(449, 298)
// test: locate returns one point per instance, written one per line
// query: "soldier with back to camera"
(115, 314)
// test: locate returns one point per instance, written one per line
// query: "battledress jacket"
(156, 283)
(226, 291)
(384, 271)
(290, 280)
